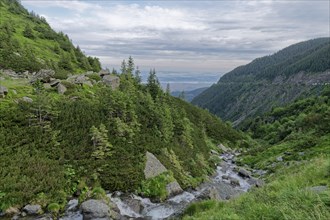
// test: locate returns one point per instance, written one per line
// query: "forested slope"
(247, 91)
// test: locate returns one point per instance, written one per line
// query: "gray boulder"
(255, 182)
(244, 173)
(3, 91)
(318, 189)
(61, 89)
(32, 209)
(95, 209)
(111, 80)
(173, 189)
(54, 83)
(44, 76)
(234, 181)
(27, 99)
(104, 72)
(153, 166)
(279, 159)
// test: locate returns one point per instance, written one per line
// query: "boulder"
(173, 189)
(111, 80)
(32, 209)
(134, 204)
(47, 86)
(3, 91)
(27, 99)
(234, 181)
(255, 182)
(153, 166)
(104, 72)
(210, 193)
(12, 211)
(44, 76)
(244, 173)
(95, 209)
(214, 152)
(61, 89)
(54, 83)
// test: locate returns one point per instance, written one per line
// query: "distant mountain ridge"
(296, 71)
(189, 95)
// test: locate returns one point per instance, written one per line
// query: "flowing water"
(222, 182)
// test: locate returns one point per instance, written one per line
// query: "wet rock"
(173, 189)
(32, 209)
(153, 166)
(244, 173)
(95, 209)
(234, 181)
(61, 89)
(135, 205)
(225, 177)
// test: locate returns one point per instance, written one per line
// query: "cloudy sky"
(185, 37)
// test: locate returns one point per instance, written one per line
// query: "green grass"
(287, 196)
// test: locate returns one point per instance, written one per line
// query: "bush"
(95, 77)
(61, 74)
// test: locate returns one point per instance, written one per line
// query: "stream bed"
(229, 181)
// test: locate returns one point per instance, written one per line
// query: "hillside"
(27, 42)
(55, 144)
(294, 149)
(247, 91)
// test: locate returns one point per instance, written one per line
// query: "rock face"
(32, 209)
(153, 166)
(173, 189)
(95, 209)
(111, 80)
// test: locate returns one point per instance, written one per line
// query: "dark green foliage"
(100, 138)
(28, 32)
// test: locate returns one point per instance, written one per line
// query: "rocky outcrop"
(111, 80)
(95, 209)
(44, 76)
(153, 166)
(32, 209)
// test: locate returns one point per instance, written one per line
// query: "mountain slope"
(189, 95)
(294, 149)
(296, 71)
(27, 42)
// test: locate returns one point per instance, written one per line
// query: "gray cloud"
(190, 36)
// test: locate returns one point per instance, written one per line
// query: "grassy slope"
(299, 133)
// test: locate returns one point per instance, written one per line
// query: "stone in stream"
(95, 209)
(244, 173)
(234, 181)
